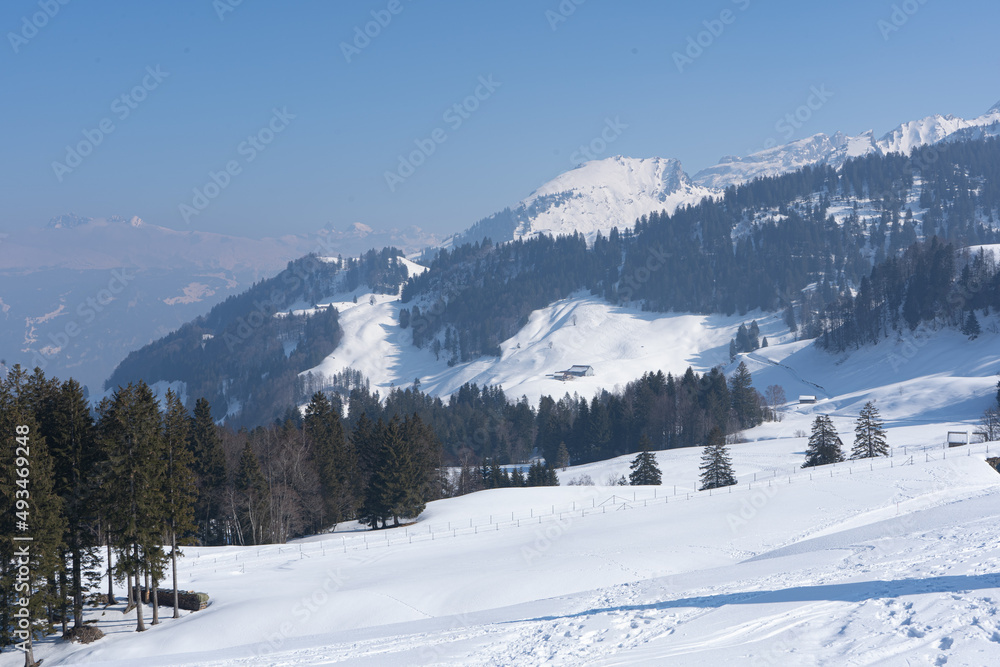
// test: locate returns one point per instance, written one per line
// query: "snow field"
(647, 577)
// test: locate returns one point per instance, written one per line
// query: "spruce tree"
(132, 439)
(76, 458)
(645, 472)
(971, 327)
(401, 486)
(716, 464)
(562, 457)
(180, 490)
(374, 510)
(336, 464)
(24, 447)
(869, 434)
(209, 466)
(825, 446)
(744, 397)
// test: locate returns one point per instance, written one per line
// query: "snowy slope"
(814, 150)
(620, 343)
(892, 563)
(948, 372)
(593, 198)
(602, 194)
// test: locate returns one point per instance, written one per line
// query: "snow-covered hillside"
(620, 343)
(78, 294)
(602, 194)
(949, 373)
(592, 198)
(889, 562)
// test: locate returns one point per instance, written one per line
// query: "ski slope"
(890, 562)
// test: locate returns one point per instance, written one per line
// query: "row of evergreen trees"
(922, 284)
(477, 424)
(825, 446)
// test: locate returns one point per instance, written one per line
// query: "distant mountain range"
(78, 294)
(614, 192)
(52, 275)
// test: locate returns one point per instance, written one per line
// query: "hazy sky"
(184, 85)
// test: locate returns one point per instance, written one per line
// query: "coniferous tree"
(790, 319)
(825, 446)
(209, 466)
(716, 464)
(971, 327)
(75, 456)
(132, 439)
(402, 485)
(744, 397)
(180, 491)
(336, 464)
(869, 434)
(562, 457)
(645, 472)
(38, 515)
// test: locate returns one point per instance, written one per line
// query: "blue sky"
(212, 74)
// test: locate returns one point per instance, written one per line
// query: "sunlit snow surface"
(889, 562)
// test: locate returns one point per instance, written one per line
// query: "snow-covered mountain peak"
(933, 129)
(817, 149)
(602, 194)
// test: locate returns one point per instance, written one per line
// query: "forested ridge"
(241, 354)
(849, 255)
(758, 246)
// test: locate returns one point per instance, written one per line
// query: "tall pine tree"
(645, 472)
(869, 434)
(180, 491)
(825, 446)
(716, 464)
(209, 466)
(133, 442)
